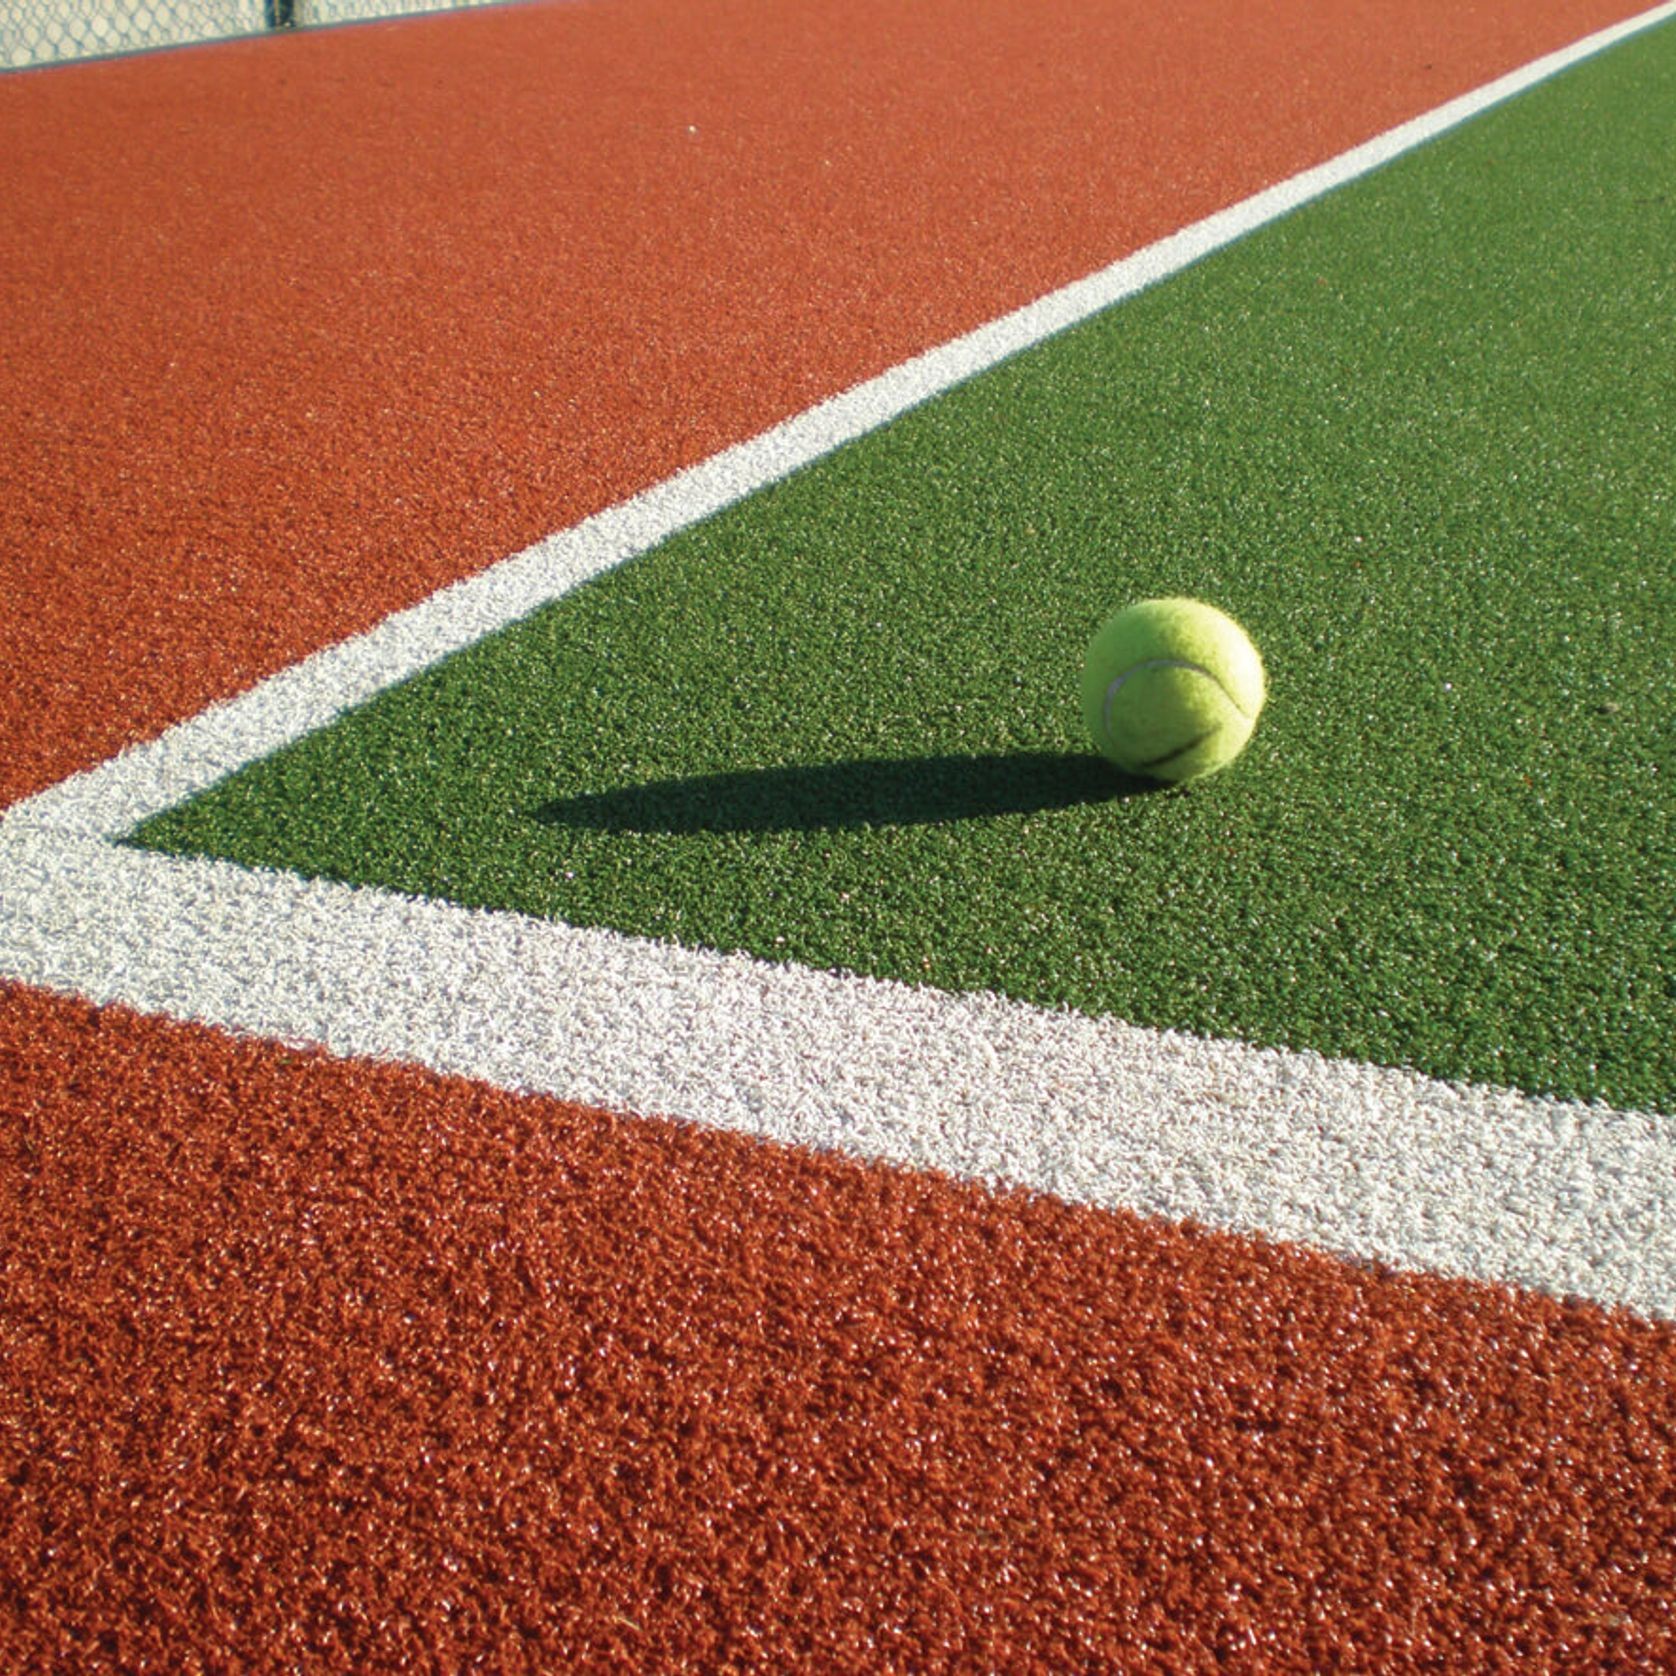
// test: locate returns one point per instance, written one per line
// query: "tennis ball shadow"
(904, 791)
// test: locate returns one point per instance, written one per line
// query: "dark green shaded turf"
(1418, 438)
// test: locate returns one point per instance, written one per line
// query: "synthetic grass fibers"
(1402, 435)
(350, 1367)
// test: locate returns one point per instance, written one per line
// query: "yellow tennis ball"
(1171, 689)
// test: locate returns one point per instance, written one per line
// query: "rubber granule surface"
(306, 1363)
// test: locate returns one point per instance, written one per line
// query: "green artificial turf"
(1418, 437)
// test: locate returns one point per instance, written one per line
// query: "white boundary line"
(1372, 1163)
(1356, 1159)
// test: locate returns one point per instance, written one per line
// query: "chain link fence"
(45, 31)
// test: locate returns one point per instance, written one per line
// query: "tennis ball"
(1171, 689)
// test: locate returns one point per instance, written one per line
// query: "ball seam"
(1162, 663)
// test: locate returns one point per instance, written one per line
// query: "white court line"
(1369, 1162)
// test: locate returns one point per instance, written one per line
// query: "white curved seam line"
(1118, 682)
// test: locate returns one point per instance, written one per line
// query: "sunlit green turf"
(1419, 438)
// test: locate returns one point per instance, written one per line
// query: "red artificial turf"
(300, 329)
(307, 1364)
